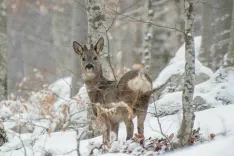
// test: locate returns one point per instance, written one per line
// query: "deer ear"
(99, 45)
(78, 48)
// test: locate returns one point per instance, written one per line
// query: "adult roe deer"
(133, 88)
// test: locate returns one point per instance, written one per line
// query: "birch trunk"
(96, 20)
(188, 90)
(230, 55)
(3, 50)
(147, 44)
(96, 29)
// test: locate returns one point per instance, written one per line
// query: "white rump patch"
(140, 83)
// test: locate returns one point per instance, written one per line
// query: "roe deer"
(133, 88)
(112, 116)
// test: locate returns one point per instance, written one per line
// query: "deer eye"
(83, 59)
(95, 58)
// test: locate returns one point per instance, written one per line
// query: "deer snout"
(89, 66)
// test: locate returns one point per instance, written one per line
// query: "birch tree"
(189, 78)
(96, 20)
(3, 50)
(230, 55)
(147, 45)
(96, 29)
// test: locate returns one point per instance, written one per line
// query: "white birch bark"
(96, 20)
(189, 78)
(147, 44)
(3, 51)
(96, 29)
(230, 55)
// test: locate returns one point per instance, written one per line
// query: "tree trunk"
(206, 28)
(230, 55)
(61, 32)
(96, 29)
(163, 39)
(79, 34)
(3, 50)
(216, 24)
(188, 90)
(222, 24)
(96, 21)
(147, 44)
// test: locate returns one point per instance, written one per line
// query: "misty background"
(38, 35)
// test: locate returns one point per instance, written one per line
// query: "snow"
(61, 88)
(216, 120)
(176, 65)
(223, 146)
(219, 88)
(216, 91)
(170, 103)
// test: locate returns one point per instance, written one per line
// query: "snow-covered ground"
(216, 120)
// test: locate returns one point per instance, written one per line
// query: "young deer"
(133, 88)
(112, 116)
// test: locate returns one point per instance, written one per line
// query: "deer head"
(90, 59)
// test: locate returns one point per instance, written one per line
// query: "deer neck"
(95, 83)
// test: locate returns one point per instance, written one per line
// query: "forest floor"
(218, 120)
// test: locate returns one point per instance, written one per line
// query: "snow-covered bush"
(175, 71)
(46, 110)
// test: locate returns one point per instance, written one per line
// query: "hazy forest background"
(39, 34)
(40, 74)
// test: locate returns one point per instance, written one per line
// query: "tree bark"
(96, 29)
(188, 90)
(3, 50)
(96, 21)
(147, 44)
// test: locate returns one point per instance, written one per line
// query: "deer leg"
(141, 113)
(106, 136)
(129, 128)
(115, 129)
(140, 122)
